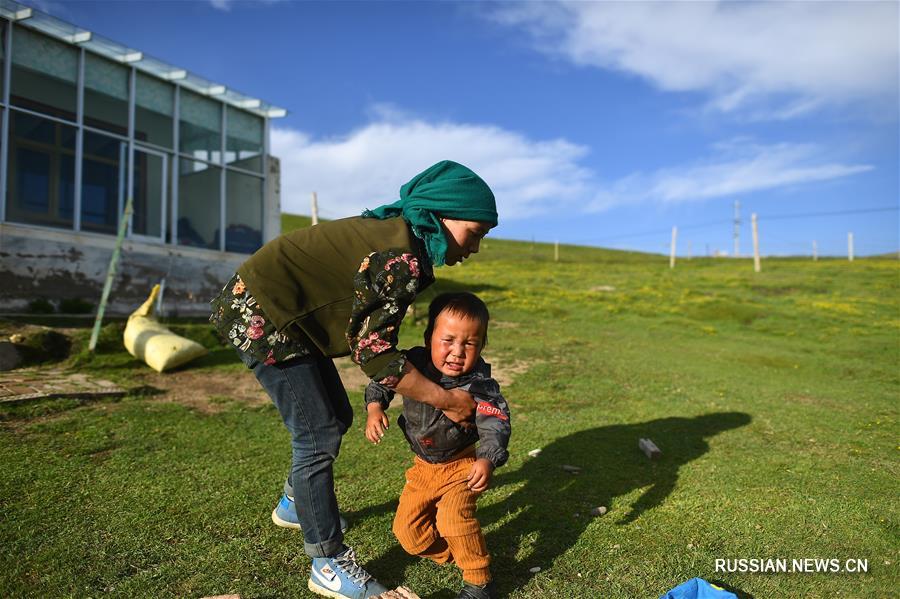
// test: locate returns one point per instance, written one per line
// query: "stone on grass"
(535, 570)
(598, 511)
(649, 448)
(10, 356)
(534, 453)
(571, 469)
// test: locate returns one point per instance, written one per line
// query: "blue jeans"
(315, 409)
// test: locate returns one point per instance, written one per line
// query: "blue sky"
(598, 123)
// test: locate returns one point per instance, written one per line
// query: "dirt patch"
(203, 390)
(505, 371)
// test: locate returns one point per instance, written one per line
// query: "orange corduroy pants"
(436, 517)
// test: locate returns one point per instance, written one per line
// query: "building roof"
(115, 51)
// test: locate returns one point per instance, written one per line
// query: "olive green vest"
(303, 280)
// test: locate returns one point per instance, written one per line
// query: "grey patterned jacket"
(434, 437)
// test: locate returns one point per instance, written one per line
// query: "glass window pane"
(199, 208)
(149, 194)
(154, 107)
(41, 180)
(244, 142)
(244, 212)
(200, 127)
(3, 34)
(44, 73)
(103, 179)
(105, 94)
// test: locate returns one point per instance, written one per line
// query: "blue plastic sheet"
(697, 588)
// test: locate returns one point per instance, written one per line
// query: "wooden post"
(815, 251)
(850, 247)
(556, 251)
(315, 209)
(755, 244)
(672, 251)
(111, 272)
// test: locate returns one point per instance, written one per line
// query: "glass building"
(87, 122)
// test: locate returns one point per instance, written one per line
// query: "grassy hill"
(772, 395)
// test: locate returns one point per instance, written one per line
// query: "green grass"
(773, 397)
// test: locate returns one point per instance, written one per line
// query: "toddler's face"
(456, 343)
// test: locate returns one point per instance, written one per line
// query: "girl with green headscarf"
(287, 309)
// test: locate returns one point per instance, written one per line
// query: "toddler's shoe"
(342, 577)
(285, 516)
(474, 591)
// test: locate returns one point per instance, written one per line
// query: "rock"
(534, 453)
(598, 511)
(649, 448)
(571, 469)
(17, 338)
(535, 570)
(10, 356)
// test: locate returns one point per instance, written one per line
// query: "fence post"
(672, 251)
(315, 209)
(111, 272)
(756, 267)
(556, 251)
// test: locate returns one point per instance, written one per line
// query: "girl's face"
(463, 238)
(455, 343)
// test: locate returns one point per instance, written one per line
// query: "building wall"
(56, 264)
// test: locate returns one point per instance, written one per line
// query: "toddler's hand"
(376, 423)
(480, 475)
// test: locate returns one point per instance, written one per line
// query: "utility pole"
(737, 228)
(755, 243)
(672, 251)
(315, 209)
(850, 247)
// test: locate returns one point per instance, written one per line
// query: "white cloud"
(366, 168)
(223, 5)
(737, 167)
(779, 59)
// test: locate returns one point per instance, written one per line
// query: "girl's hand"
(479, 477)
(376, 423)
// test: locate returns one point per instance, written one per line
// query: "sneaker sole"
(320, 590)
(283, 523)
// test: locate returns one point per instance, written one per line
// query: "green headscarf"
(446, 189)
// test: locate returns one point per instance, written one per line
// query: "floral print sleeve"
(385, 286)
(240, 320)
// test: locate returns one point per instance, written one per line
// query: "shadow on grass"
(546, 505)
(550, 509)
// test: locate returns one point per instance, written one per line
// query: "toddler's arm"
(378, 398)
(376, 423)
(479, 477)
(493, 421)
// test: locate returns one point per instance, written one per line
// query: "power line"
(835, 213)
(657, 232)
(731, 221)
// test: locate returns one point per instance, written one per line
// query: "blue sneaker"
(285, 516)
(340, 576)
